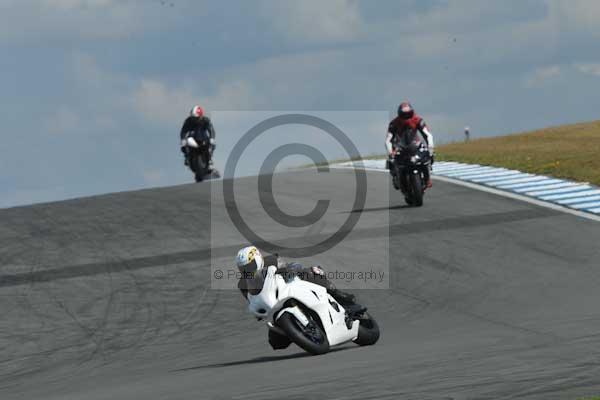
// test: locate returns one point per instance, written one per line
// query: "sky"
(94, 92)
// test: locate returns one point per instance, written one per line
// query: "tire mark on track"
(91, 269)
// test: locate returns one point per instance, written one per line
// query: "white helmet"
(249, 260)
(197, 111)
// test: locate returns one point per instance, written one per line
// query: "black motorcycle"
(198, 153)
(410, 168)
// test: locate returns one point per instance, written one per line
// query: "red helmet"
(406, 110)
(197, 111)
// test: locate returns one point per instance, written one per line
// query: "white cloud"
(64, 120)
(474, 80)
(543, 75)
(98, 103)
(63, 20)
(465, 34)
(576, 15)
(445, 128)
(315, 20)
(158, 102)
(589, 68)
(77, 4)
(459, 16)
(87, 71)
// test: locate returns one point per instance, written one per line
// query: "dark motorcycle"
(198, 153)
(410, 168)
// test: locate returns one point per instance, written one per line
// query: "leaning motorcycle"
(304, 313)
(410, 168)
(198, 153)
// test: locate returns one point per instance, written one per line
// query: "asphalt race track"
(110, 297)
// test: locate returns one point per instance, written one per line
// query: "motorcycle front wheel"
(201, 167)
(416, 184)
(311, 338)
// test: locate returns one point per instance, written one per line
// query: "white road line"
(437, 167)
(493, 180)
(449, 168)
(456, 167)
(543, 188)
(575, 188)
(447, 163)
(484, 169)
(489, 174)
(456, 170)
(586, 205)
(470, 171)
(537, 182)
(545, 182)
(570, 195)
(579, 199)
(503, 193)
(486, 175)
(466, 171)
(520, 197)
(522, 178)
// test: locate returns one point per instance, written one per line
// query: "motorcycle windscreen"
(409, 142)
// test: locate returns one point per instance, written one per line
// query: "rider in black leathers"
(197, 123)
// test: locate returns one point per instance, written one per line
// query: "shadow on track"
(398, 207)
(168, 259)
(259, 360)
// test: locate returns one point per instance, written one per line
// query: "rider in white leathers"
(253, 266)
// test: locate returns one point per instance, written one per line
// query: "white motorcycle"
(308, 316)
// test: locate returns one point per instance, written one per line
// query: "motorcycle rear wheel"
(368, 331)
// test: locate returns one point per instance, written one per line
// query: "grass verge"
(568, 151)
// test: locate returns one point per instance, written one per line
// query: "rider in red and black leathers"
(407, 121)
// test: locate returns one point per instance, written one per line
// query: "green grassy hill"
(568, 151)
